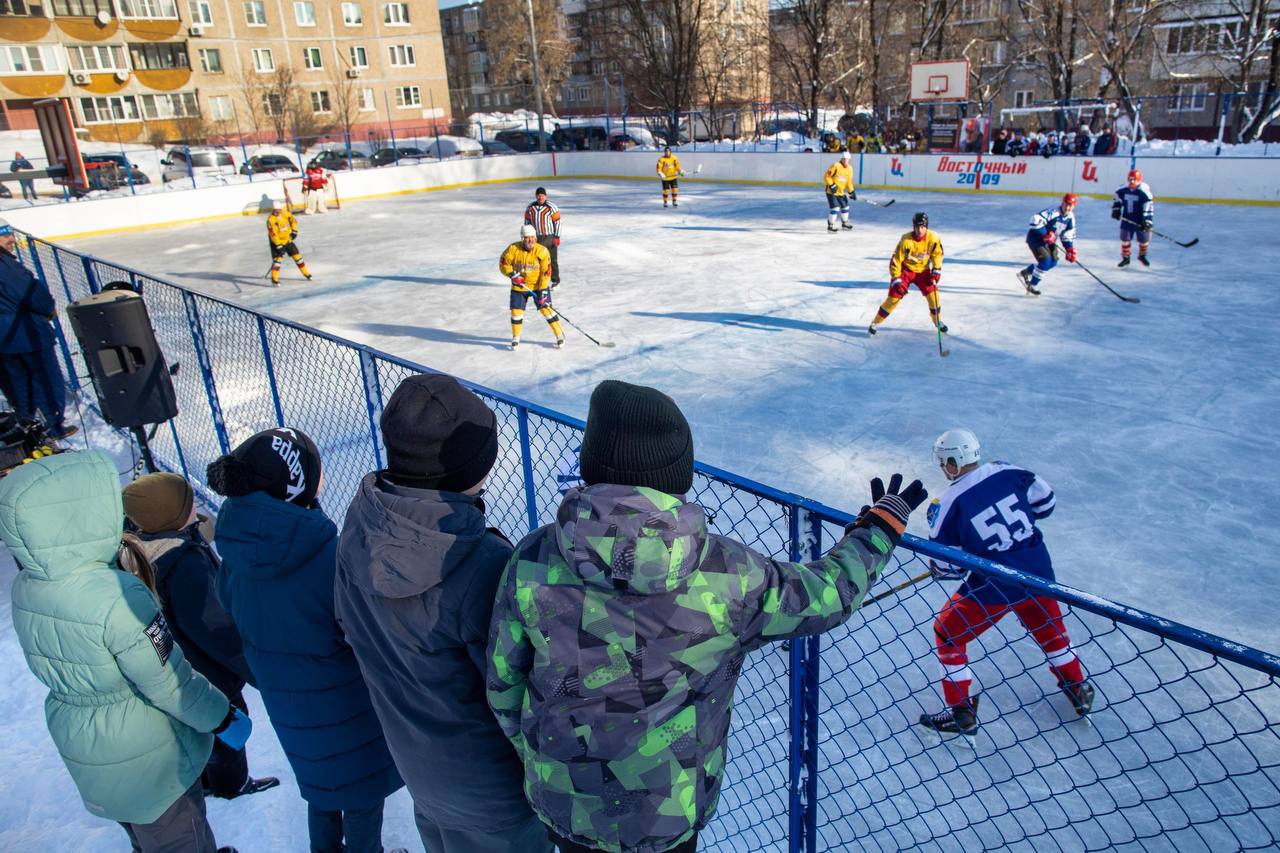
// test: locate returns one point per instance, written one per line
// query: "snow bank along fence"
(1181, 752)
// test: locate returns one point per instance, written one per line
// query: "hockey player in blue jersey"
(992, 510)
(1135, 208)
(1052, 231)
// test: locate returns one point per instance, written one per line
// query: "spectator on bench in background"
(418, 569)
(1084, 141)
(168, 553)
(1000, 142)
(279, 557)
(1105, 142)
(620, 631)
(131, 718)
(1017, 145)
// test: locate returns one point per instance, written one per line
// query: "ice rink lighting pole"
(537, 79)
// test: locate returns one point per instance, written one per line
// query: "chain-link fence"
(1181, 750)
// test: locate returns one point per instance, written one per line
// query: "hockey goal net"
(294, 197)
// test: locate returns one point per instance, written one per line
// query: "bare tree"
(731, 69)
(344, 100)
(1054, 30)
(1118, 33)
(510, 54)
(808, 49)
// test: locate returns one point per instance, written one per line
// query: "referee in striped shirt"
(545, 219)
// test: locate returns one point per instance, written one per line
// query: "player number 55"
(1016, 527)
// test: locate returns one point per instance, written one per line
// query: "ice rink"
(1154, 422)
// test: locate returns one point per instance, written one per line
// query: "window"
(211, 60)
(351, 14)
(320, 102)
(568, 94)
(395, 14)
(272, 104)
(1191, 98)
(24, 8)
(597, 68)
(201, 12)
(408, 96)
(584, 93)
(311, 58)
(174, 105)
(359, 58)
(1022, 98)
(106, 110)
(29, 59)
(304, 11)
(255, 13)
(162, 55)
(263, 61)
(1202, 37)
(148, 9)
(972, 11)
(365, 102)
(81, 8)
(220, 108)
(401, 55)
(96, 57)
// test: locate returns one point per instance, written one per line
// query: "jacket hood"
(631, 538)
(399, 542)
(156, 545)
(62, 514)
(274, 537)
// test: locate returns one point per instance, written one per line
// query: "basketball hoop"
(940, 80)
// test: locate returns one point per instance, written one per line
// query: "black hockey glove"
(1115, 210)
(890, 508)
(1147, 225)
(293, 235)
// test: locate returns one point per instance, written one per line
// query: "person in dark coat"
(29, 374)
(18, 164)
(418, 569)
(1002, 139)
(1104, 144)
(278, 559)
(182, 569)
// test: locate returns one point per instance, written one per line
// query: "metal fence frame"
(215, 334)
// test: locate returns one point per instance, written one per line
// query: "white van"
(206, 162)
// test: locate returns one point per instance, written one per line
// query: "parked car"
(389, 156)
(588, 138)
(493, 146)
(623, 141)
(206, 162)
(268, 163)
(337, 160)
(107, 172)
(523, 140)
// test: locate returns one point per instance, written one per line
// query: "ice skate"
(1142, 259)
(846, 226)
(942, 327)
(1024, 276)
(1124, 262)
(515, 343)
(831, 227)
(559, 343)
(1080, 693)
(958, 719)
(871, 330)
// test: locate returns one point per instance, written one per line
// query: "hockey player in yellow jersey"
(282, 230)
(528, 264)
(918, 261)
(669, 169)
(838, 181)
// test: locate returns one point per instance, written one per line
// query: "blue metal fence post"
(206, 369)
(297, 149)
(38, 269)
(526, 467)
(805, 535)
(90, 274)
(435, 128)
(244, 152)
(372, 399)
(191, 172)
(128, 169)
(62, 274)
(271, 371)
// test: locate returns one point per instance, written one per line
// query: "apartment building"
(153, 70)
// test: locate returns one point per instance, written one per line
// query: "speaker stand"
(147, 459)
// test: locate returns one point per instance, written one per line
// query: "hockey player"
(1134, 207)
(839, 183)
(1049, 228)
(282, 230)
(545, 219)
(991, 510)
(528, 265)
(918, 261)
(313, 183)
(669, 169)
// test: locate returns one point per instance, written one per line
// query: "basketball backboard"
(61, 148)
(940, 80)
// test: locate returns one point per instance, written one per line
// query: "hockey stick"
(897, 589)
(888, 203)
(560, 314)
(1135, 300)
(1194, 240)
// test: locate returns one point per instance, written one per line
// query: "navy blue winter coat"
(278, 565)
(25, 308)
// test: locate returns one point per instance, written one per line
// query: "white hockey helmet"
(277, 205)
(527, 231)
(957, 446)
(846, 156)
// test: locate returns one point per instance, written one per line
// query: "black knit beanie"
(284, 463)
(636, 436)
(438, 434)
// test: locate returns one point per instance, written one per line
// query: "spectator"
(1083, 141)
(875, 144)
(418, 569)
(1001, 142)
(279, 554)
(1017, 145)
(560, 140)
(132, 719)
(167, 551)
(18, 164)
(1105, 143)
(1049, 147)
(620, 630)
(29, 374)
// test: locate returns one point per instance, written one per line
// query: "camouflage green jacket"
(617, 638)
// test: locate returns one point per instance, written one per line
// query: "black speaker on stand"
(130, 377)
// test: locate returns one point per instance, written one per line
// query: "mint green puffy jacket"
(127, 712)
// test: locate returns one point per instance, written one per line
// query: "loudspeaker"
(128, 370)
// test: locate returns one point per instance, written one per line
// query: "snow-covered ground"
(1153, 422)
